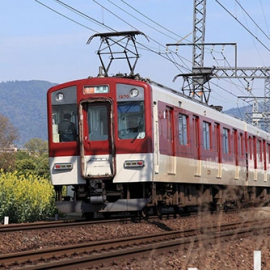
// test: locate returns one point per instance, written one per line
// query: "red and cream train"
(139, 145)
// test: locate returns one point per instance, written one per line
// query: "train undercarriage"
(144, 198)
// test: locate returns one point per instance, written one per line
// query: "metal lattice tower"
(198, 32)
(196, 83)
(267, 104)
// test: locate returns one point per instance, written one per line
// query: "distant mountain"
(24, 104)
(240, 112)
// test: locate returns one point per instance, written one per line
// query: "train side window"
(225, 141)
(183, 129)
(206, 135)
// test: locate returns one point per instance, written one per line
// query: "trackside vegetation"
(25, 198)
(26, 193)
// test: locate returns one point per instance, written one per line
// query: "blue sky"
(39, 44)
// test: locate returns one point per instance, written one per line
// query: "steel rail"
(100, 251)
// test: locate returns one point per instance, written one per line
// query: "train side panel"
(214, 150)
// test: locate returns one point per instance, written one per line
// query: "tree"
(37, 147)
(8, 134)
(35, 159)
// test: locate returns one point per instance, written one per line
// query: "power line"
(84, 15)
(137, 29)
(252, 19)
(168, 56)
(105, 26)
(243, 26)
(139, 19)
(264, 17)
(65, 16)
(183, 38)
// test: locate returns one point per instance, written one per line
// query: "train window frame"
(225, 140)
(206, 135)
(127, 130)
(183, 129)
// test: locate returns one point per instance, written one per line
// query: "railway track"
(83, 222)
(74, 223)
(100, 253)
(59, 224)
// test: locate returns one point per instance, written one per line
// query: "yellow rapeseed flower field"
(25, 198)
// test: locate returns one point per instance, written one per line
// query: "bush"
(25, 199)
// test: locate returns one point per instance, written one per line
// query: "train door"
(196, 140)
(97, 139)
(170, 140)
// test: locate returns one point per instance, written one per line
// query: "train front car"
(101, 142)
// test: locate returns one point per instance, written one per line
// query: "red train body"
(139, 145)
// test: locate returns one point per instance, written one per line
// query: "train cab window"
(225, 140)
(64, 116)
(183, 129)
(206, 135)
(64, 123)
(131, 120)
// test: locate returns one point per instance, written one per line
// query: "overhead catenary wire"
(76, 11)
(252, 20)
(264, 18)
(174, 58)
(84, 15)
(146, 47)
(155, 22)
(266, 47)
(66, 17)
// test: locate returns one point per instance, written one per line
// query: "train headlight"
(63, 166)
(134, 92)
(59, 97)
